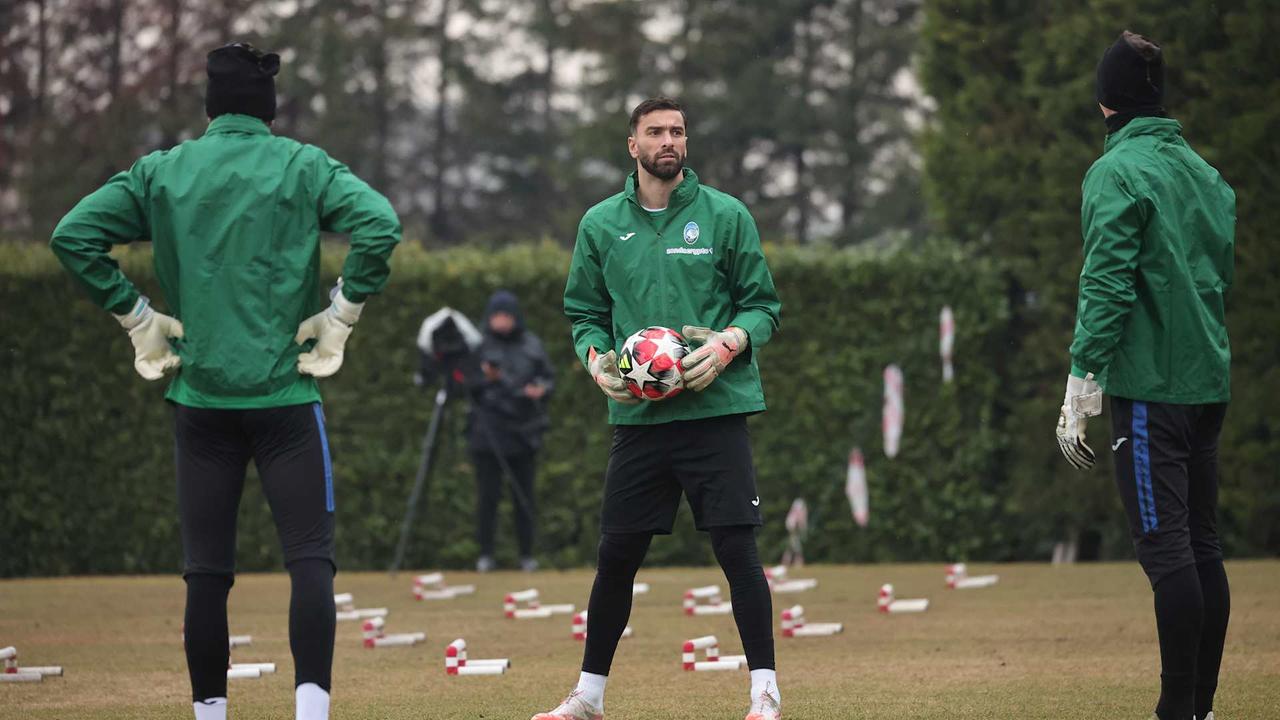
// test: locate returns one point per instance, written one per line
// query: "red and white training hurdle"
(346, 607)
(705, 601)
(375, 637)
(794, 625)
(887, 604)
(778, 582)
(958, 578)
(710, 648)
(13, 672)
(580, 627)
(456, 662)
(525, 605)
(432, 586)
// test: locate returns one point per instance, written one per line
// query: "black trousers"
(291, 451)
(1166, 460)
(489, 485)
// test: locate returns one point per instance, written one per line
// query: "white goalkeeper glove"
(718, 349)
(330, 329)
(1083, 401)
(604, 370)
(150, 332)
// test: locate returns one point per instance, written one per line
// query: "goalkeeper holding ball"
(234, 218)
(668, 251)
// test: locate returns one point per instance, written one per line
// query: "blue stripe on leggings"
(328, 464)
(1142, 468)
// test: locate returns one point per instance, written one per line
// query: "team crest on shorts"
(691, 233)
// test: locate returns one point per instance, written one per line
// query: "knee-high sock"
(205, 634)
(1213, 633)
(1179, 616)
(617, 561)
(312, 618)
(735, 549)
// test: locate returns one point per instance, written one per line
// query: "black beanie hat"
(1131, 75)
(242, 81)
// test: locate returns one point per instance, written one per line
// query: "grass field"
(1047, 642)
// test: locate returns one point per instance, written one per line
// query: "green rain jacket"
(1159, 238)
(234, 218)
(698, 262)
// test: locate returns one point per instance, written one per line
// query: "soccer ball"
(649, 363)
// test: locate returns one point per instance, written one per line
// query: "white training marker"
(558, 609)
(46, 670)
(529, 613)
(401, 640)
(236, 641)
(263, 668)
(714, 665)
(722, 608)
(456, 662)
(243, 673)
(16, 677)
(639, 588)
(8, 653)
(795, 586)
(887, 604)
(818, 630)
(343, 599)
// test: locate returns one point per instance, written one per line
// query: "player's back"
(234, 217)
(1175, 346)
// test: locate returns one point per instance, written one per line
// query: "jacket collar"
(233, 123)
(684, 193)
(1167, 127)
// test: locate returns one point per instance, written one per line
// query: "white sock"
(765, 681)
(592, 688)
(210, 709)
(312, 702)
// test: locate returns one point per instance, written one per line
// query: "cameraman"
(507, 419)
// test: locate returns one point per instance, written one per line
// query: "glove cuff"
(1084, 396)
(135, 317)
(344, 310)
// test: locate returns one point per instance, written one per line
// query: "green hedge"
(87, 448)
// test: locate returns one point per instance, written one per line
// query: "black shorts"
(1166, 460)
(709, 460)
(291, 451)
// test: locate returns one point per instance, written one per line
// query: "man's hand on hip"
(718, 349)
(1083, 401)
(150, 331)
(330, 329)
(604, 370)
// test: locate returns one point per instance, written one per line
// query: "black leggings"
(291, 451)
(620, 556)
(312, 618)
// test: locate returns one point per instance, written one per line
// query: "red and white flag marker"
(855, 487)
(958, 578)
(794, 625)
(710, 648)
(887, 604)
(705, 601)
(892, 415)
(580, 627)
(946, 341)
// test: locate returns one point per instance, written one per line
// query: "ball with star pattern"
(649, 363)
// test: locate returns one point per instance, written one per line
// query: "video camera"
(449, 343)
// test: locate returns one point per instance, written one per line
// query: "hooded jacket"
(503, 420)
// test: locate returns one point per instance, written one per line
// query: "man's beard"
(665, 171)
